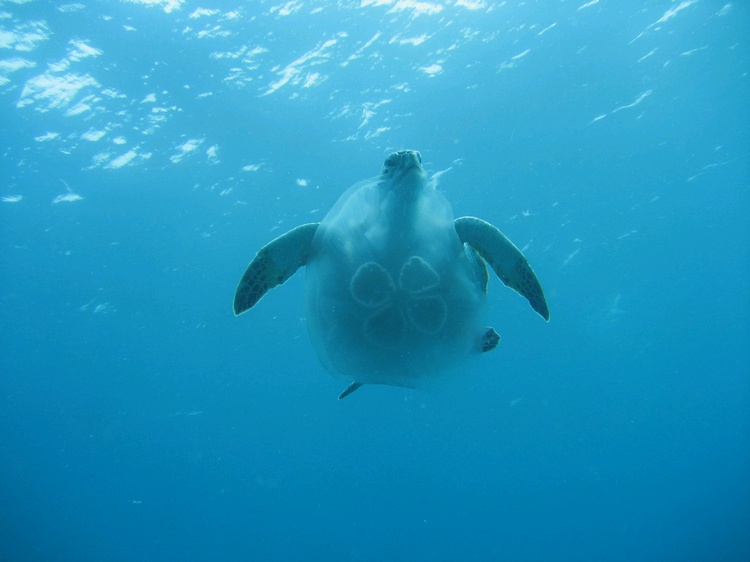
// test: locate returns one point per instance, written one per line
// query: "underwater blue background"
(151, 147)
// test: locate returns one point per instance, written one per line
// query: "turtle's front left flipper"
(507, 261)
(273, 264)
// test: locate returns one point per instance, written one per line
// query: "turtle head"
(404, 167)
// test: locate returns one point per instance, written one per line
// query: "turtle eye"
(390, 163)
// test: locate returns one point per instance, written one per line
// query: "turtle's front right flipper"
(273, 264)
(507, 261)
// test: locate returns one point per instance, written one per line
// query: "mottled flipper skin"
(507, 261)
(273, 264)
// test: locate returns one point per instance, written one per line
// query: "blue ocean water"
(151, 147)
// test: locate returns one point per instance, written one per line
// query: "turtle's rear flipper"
(490, 339)
(349, 389)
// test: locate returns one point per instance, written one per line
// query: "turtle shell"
(392, 295)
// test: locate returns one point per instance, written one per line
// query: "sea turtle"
(395, 286)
